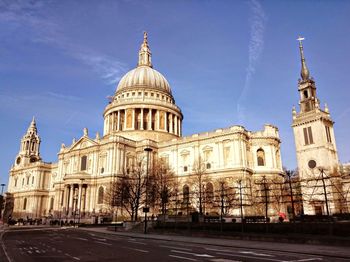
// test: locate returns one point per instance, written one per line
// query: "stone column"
(150, 119)
(70, 204)
(118, 122)
(79, 197)
(133, 119)
(171, 123)
(141, 124)
(165, 121)
(176, 130)
(157, 124)
(179, 125)
(124, 127)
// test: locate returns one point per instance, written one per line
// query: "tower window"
(308, 139)
(328, 134)
(16, 182)
(260, 156)
(306, 95)
(83, 163)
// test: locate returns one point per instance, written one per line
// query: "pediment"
(82, 143)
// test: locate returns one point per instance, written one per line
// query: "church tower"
(30, 146)
(315, 146)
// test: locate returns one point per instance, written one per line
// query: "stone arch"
(100, 195)
(260, 157)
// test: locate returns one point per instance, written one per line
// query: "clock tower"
(315, 147)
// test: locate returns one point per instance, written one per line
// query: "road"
(76, 245)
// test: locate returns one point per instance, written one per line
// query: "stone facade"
(142, 113)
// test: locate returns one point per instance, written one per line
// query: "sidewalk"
(322, 250)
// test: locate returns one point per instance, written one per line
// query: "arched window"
(51, 203)
(209, 192)
(25, 204)
(260, 154)
(100, 195)
(186, 194)
(32, 180)
(16, 181)
(83, 163)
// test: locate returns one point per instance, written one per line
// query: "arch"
(209, 192)
(100, 195)
(260, 156)
(25, 203)
(83, 163)
(186, 194)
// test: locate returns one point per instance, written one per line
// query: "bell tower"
(316, 150)
(30, 146)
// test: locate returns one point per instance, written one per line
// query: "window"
(51, 203)
(32, 180)
(186, 194)
(308, 135)
(328, 134)
(208, 166)
(23, 182)
(27, 180)
(100, 195)
(306, 94)
(185, 168)
(16, 181)
(25, 204)
(83, 163)
(209, 192)
(260, 155)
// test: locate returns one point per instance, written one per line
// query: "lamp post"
(2, 199)
(2, 188)
(146, 208)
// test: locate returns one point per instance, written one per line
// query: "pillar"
(70, 203)
(171, 123)
(176, 130)
(141, 126)
(150, 119)
(118, 122)
(133, 119)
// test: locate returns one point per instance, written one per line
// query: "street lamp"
(1, 199)
(146, 208)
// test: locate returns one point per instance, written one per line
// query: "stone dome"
(144, 77)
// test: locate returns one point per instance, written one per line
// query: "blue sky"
(228, 63)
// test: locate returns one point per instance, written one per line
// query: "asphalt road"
(76, 245)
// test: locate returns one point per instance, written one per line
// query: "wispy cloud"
(32, 14)
(256, 44)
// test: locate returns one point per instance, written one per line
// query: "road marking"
(255, 254)
(76, 258)
(135, 242)
(256, 258)
(103, 243)
(136, 249)
(193, 254)
(181, 248)
(224, 260)
(186, 258)
(307, 259)
(80, 238)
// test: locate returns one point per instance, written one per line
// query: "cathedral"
(142, 119)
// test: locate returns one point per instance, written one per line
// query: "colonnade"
(75, 198)
(143, 119)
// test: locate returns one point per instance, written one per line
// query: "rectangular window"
(310, 135)
(305, 136)
(308, 138)
(328, 134)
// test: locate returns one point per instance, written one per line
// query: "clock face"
(18, 160)
(32, 159)
(312, 164)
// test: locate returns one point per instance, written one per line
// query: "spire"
(304, 70)
(32, 127)
(145, 53)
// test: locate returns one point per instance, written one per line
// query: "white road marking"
(193, 254)
(307, 259)
(181, 248)
(135, 242)
(103, 243)
(255, 254)
(186, 258)
(29, 252)
(224, 260)
(256, 258)
(80, 238)
(76, 258)
(136, 249)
